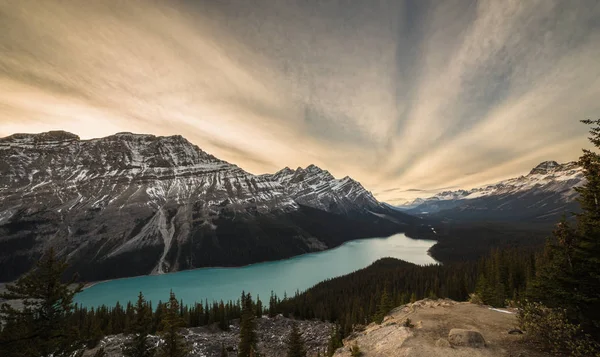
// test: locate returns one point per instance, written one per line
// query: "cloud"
(396, 94)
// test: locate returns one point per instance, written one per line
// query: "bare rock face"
(466, 338)
(442, 342)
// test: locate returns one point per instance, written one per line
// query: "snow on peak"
(545, 167)
(49, 137)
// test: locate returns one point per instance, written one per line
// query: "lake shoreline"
(87, 285)
(297, 273)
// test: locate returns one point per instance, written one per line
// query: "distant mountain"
(131, 204)
(545, 193)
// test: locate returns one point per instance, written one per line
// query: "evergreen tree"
(174, 344)
(484, 290)
(567, 271)
(295, 343)
(223, 350)
(335, 341)
(223, 323)
(272, 304)
(385, 305)
(413, 297)
(259, 307)
(586, 253)
(248, 338)
(139, 345)
(42, 327)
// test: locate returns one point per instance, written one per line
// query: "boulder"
(465, 338)
(442, 342)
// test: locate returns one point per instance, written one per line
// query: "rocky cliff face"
(132, 204)
(545, 193)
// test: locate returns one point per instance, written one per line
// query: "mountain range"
(132, 204)
(544, 194)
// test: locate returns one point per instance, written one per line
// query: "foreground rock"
(467, 338)
(206, 341)
(441, 328)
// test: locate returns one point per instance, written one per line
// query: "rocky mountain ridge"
(545, 192)
(133, 204)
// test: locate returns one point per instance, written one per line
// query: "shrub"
(408, 323)
(475, 299)
(355, 351)
(552, 329)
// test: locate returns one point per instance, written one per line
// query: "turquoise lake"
(297, 273)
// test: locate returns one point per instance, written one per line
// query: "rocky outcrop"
(441, 328)
(458, 337)
(206, 341)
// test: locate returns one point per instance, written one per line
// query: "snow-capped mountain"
(317, 188)
(545, 192)
(131, 204)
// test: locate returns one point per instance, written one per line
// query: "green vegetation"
(355, 351)
(567, 283)
(42, 327)
(295, 343)
(139, 345)
(248, 338)
(552, 329)
(174, 344)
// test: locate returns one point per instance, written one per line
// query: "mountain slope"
(132, 204)
(544, 194)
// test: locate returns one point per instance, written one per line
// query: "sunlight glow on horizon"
(399, 95)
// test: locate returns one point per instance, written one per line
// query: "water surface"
(288, 275)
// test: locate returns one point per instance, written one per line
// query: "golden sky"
(401, 95)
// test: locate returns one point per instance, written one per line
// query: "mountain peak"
(49, 136)
(313, 168)
(545, 167)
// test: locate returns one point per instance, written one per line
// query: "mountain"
(545, 193)
(131, 204)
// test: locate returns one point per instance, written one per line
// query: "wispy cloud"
(397, 94)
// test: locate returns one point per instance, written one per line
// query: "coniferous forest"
(561, 275)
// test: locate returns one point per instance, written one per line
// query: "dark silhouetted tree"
(295, 343)
(42, 327)
(139, 345)
(174, 344)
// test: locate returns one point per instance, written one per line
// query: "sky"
(409, 97)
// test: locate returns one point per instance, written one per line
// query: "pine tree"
(272, 304)
(42, 327)
(567, 271)
(174, 344)
(259, 307)
(223, 323)
(139, 345)
(335, 341)
(248, 338)
(385, 305)
(586, 253)
(295, 343)
(223, 350)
